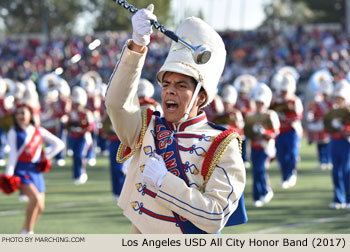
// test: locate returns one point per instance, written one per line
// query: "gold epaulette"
(120, 154)
(219, 153)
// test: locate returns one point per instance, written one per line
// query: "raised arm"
(121, 99)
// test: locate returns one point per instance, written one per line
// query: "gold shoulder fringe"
(219, 153)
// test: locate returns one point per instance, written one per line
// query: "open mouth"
(171, 105)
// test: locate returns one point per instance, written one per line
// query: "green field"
(89, 209)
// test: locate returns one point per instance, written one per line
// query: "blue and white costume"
(26, 153)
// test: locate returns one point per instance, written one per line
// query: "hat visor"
(178, 67)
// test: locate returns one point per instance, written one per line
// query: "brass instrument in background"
(341, 114)
(283, 107)
(107, 126)
(226, 119)
(6, 122)
(256, 119)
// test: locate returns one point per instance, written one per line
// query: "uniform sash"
(167, 147)
(31, 147)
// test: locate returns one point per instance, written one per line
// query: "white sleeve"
(299, 109)
(56, 144)
(275, 121)
(122, 103)
(13, 156)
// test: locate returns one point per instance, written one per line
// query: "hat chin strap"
(195, 94)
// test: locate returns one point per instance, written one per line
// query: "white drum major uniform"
(171, 185)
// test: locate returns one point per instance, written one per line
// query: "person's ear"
(202, 97)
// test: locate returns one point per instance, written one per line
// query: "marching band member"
(28, 160)
(290, 112)
(91, 81)
(145, 93)
(61, 107)
(231, 118)
(47, 112)
(215, 108)
(6, 107)
(167, 187)
(116, 168)
(245, 84)
(80, 122)
(102, 141)
(265, 130)
(18, 91)
(317, 108)
(31, 94)
(107, 132)
(340, 147)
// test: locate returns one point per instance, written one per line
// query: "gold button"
(212, 138)
(138, 186)
(195, 172)
(133, 204)
(147, 150)
(142, 167)
(203, 154)
(198, 188)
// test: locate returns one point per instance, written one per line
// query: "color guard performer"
(186, 175)
(28, 160)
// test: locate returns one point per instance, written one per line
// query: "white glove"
(259, 129)
(154, 171)
(337, 124)
(141, 25)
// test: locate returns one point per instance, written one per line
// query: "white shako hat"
(342, 89)
(263, 93)
(19, 90)
(324, 83)
(31, 99)
(229, 94)
(63, 88)
(145, 88)
(3, 87)
(179, 60)
(79, 96)
(288, 83)
(91, 81)
(245, 83)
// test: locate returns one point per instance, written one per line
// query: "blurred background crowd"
(256, 52)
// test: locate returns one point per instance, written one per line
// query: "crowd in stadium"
(256, 53)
